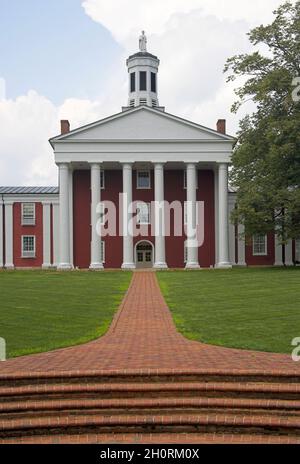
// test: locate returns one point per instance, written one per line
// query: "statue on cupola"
(143, 42)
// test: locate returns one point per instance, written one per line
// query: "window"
(143, 179)
(132, 82)
(28, 214)
(102, 251)
(143, 80)
(154, 103)
(153, 82)
(102, 184)
(131, 103)
(259, 245)
(143, 213)
(143, 101)
(28, 246)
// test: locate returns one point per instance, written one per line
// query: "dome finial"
(143, 42)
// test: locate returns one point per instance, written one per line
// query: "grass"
(257, 309)
(41, 310)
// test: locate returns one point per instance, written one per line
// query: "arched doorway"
(144, 254)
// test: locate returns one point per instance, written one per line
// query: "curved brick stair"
(144, 406)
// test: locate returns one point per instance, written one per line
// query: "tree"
(266, 158)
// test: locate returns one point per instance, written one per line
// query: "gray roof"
(29, 190)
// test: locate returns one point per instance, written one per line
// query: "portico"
(176, 159)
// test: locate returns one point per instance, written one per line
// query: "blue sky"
(53, 47)
(65, 59)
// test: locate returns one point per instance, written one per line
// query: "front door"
(144, 255)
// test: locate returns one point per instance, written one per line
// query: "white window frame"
(30, 221)
(137, 179)
(102, 251)
(185, 179)
(25, 253)
(144, 203)
(102, 180)
(257, 253)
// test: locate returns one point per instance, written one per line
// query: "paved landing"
(143, 336)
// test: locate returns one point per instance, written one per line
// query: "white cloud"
(192, 38)
(26, 124)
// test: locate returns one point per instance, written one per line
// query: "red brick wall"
(267, 260)
(19, 230)
(205, 193)
(81, 218)
(114, 245)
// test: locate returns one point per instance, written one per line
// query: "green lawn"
(41, 311)
(253, 308)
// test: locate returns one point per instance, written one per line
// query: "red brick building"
(161, 181)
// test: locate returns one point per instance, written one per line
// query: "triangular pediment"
(142, 123)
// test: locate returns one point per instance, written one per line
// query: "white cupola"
(142, 71)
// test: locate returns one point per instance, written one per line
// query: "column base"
(128, 266)
(160, 266)
(64, 267)
(47, 266)
(96, 267)
(192, 266)
(242, 264)
(224, 266)
(9, 267)
(278, 264)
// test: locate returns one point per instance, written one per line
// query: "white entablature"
(143, 134)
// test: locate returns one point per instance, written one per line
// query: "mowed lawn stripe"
(45, 310)
(257, 309)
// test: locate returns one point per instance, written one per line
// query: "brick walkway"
(143, 336)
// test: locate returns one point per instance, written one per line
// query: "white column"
(232, 256)
(96, 260)
(278, 252)
(160, 251)
(289, 253)
(71, 216)
(1, 233)
(223, 218)
(64, 218)
(56, 229)
(128, 261)
(192, 242)
(9, 255)
(216, 194)
(46, 235)
(241, 246)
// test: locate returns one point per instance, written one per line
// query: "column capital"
(62, 166)
(223, 166)
(127, 165)
(95, 165)
(190, 165)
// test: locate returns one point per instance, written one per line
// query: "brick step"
(175, 423)
(154, 390)
(65, 404)
(154, 438)
(148, 405)
(148, 376)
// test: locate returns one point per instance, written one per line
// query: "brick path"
(143, 336)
